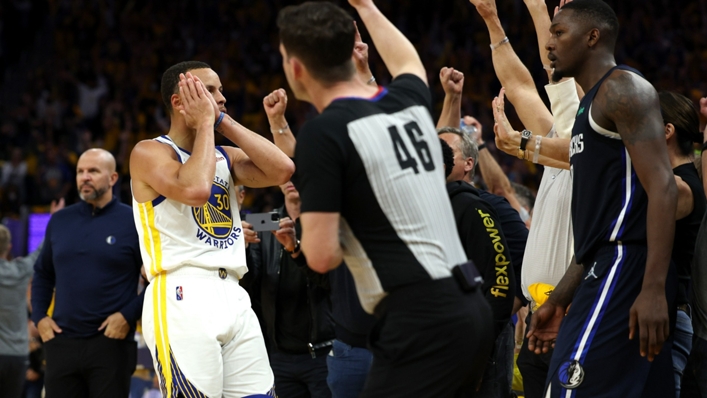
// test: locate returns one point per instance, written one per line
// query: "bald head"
(95, 176)
(101, 156)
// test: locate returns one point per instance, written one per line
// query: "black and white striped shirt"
(378, 162)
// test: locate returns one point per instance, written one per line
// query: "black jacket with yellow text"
(484, 243)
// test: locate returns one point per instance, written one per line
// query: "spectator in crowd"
(294, 306)
(482, 237)
(681, 132)
(91, 263)
(349, 360)
(550, 240)
(509, 214)
(694, 381)
(293, 301)
(15, 275)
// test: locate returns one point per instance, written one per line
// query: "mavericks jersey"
(173, 234)
(609, 204)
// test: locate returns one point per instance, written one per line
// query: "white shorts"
(204, 337)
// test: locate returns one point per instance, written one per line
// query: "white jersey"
(173, 234)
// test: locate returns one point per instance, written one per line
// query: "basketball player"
(197, 321)
(370, 168)
(611, 343)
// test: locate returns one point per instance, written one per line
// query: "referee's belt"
(314, 347)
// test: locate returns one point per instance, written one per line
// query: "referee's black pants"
(89, 367)
(431, 340)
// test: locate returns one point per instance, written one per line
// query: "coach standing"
(91, 256)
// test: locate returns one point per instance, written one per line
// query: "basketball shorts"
(593, 355)
(204, 338)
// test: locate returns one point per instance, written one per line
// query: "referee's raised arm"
(395, 49)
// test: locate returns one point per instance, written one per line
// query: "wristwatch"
(524, 137)
(296, 249)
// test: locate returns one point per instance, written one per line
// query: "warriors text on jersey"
(173, 234)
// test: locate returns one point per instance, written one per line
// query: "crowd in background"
(97, 65)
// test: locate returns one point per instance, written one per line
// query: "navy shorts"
(593, 356)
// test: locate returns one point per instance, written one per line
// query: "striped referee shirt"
(378, 162)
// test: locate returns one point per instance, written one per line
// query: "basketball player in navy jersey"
(611, 342)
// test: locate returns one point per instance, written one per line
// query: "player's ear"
(176, 103)
(593, 37)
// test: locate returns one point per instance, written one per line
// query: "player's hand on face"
(275, 104)
(249, 235)
(197, 104)
(217, 111)
(649, 313)
(47, 328)
(115, 326)
(544, 327)
(286, 235)
(452, 81)
(703, 106)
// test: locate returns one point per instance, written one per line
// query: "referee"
(371, 181)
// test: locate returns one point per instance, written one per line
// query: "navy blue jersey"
(609, 204)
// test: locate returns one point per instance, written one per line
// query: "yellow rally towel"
(540, 292)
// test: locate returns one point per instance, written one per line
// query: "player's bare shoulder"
(148, 153)
(626, 101)
(148, 159)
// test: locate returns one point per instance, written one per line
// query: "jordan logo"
(591, 272)
(581, 111)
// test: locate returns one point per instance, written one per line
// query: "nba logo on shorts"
(180, 295)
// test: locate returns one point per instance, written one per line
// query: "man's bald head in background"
(95, 176)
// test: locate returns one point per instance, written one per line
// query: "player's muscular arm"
(257, 162)
(154, 167)
(631, 105)
(398, 54)
(320, 240)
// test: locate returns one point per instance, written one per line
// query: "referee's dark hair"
(679, 111)
(170, 80)
(597, 14)
(321, 35)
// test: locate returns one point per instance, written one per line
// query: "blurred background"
(77, 74)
